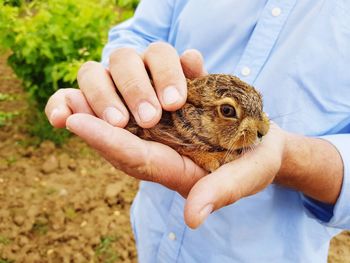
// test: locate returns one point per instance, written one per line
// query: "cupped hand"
(156, 162)
(97, 114)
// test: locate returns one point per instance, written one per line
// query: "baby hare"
(222, 118)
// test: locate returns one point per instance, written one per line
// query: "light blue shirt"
(297, 53)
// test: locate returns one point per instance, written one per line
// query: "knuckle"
(131, 85)
(158, 47)
(60, 93)
(168, 76)
(120, 54)
(86, 68)
(72, 93)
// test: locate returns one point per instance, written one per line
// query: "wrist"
(312, 166)
(292, 144)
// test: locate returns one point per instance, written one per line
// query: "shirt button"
(245, 71)
(172, 236)
(276, 11)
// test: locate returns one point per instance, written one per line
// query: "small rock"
(56, 226)
(50, 251)
(112, 226)
(64, 160)
(116, 213)
(27, 152)
(47, 147)
(112, 191)
(83, 224)
(23, 240)
(19, 220)
(63, 192)
(72, 164)
(15, 248)
(2, 180)
(83, 172)
(78, 257)
(50, 165)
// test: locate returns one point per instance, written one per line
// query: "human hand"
(128, 73)
(153, 161)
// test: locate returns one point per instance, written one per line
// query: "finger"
(130, 76)
(64, 103)
(96, 84)
(243, 177)
(192, 63)
(169, 80)
(141, 159)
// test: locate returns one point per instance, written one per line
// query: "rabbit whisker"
(229, 151)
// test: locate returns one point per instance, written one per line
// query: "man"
(280, 203)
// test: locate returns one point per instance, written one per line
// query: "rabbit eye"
(228, 111)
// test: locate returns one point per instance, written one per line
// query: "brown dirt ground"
(58, 204)
(65, 204)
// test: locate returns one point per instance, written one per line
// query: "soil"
(66, 204)
(58, 204)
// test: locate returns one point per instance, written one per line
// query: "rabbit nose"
(259, 135)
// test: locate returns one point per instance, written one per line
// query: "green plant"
(40, 227)
(41, 129)
(4, 240)
(130, 4)
(5, 117)
(105, 252)
(52, 40)
(13, 2)
(70, 213)
(49, 40)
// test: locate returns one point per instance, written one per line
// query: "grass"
(6, 97)
(40, 228)
(4, 241)
(5, 117)
(11, 160)
(105, 251)
(70, 213)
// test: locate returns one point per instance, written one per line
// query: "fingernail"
(53, 115)
(205, 212)
(171, 95)
(192, 50)
(113, 116)
(146, 111)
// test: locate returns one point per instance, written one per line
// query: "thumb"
(245, 176)
(192, 63)
(231, 182)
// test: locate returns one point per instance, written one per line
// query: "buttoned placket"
(263, 39)
(171, 241)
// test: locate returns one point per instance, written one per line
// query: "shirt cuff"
(337, 215)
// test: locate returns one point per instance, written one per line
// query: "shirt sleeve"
(151, 23)
(337, 215)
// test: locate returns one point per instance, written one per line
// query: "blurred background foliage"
(48, 40)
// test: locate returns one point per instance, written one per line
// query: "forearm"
(312, 166)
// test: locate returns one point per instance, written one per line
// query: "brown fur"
(199, 131)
